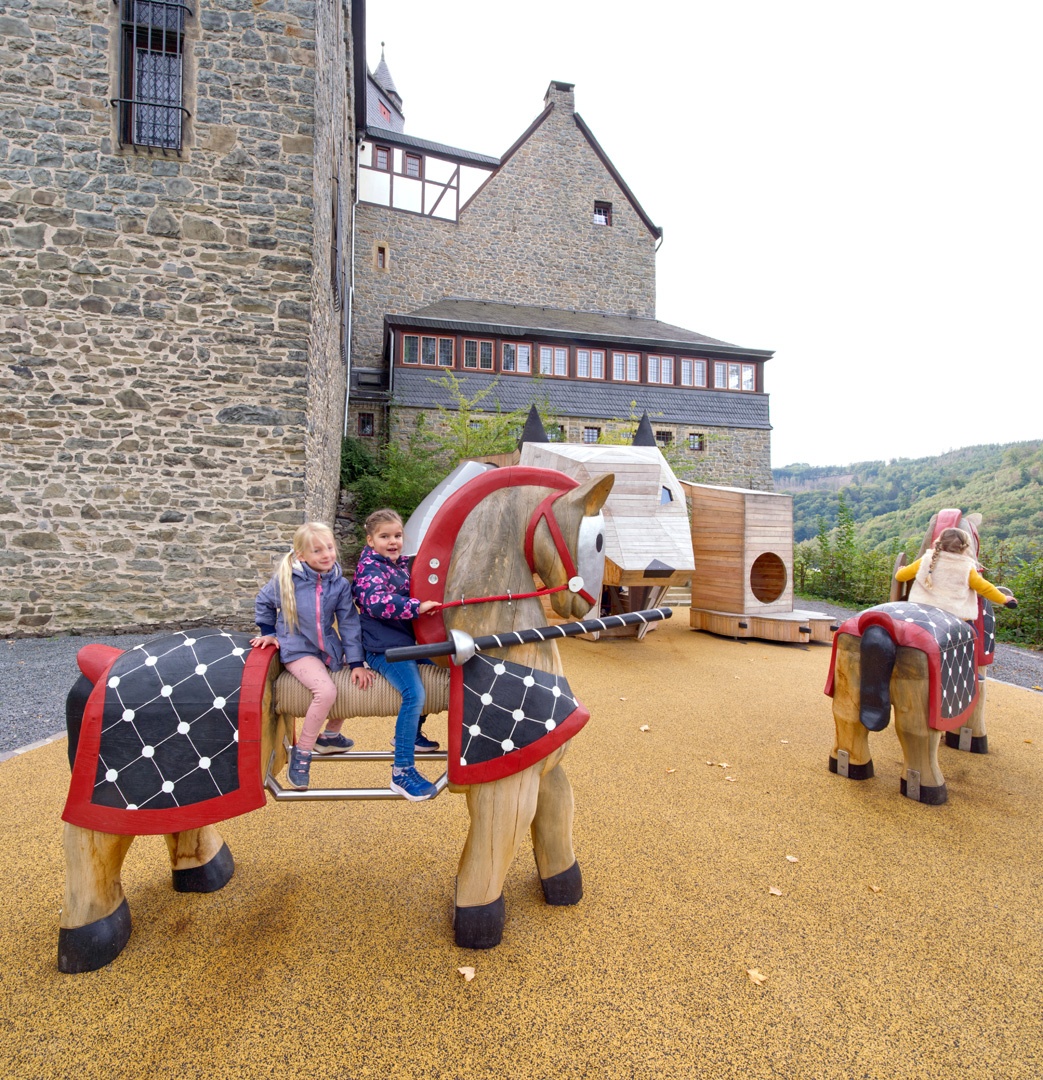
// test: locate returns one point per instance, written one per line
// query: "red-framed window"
(661, 369)
(516, 357)
(626, 367)
(590, 363)
(478, 354)
(382, 158)
(602, 212)
(732, 375)
(413, 165)
(554, 360)
(428, 350)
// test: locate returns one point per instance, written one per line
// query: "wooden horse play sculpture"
(511, 712)
(176, 734)
(923, 662)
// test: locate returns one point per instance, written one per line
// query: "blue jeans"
(405, 678)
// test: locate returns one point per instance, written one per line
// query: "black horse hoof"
(854, 772)
(480, 927)
(931, 796)
(209, 877)
(564, 888)
(87, 948)
(979, 743)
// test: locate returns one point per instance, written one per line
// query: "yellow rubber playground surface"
(896, 940)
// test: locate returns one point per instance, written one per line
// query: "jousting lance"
(461, 646)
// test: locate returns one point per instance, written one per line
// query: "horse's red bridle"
(431, 563)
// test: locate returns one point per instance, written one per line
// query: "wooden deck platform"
(796, 626)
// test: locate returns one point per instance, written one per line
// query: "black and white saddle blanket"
(504, 717)
(170, 736)
(949, 643)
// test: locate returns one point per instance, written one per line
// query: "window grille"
(152, 46)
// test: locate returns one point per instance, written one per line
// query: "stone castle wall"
(732, 457)
(171, 385)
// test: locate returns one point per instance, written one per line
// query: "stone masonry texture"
(171, 378)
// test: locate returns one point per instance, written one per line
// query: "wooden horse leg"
(922, 779)
(501, 812)
(850, 755)
(200, 860)
(552, 836)
(979, 739)
(95, 920)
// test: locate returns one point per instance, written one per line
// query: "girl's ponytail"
(287, 595)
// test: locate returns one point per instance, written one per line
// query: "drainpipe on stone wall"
(350, 317)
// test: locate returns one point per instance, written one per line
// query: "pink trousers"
(313, 674)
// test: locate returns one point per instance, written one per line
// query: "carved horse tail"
(876, 663)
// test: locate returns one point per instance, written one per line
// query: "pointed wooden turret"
(644, 436)
(533, 430)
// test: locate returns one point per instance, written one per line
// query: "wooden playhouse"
(742, 585)
(648, 547)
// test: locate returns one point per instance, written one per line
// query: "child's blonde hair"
(381, 517)
(287, 597)
(953, 541)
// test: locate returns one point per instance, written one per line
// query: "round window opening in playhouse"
(768, 577)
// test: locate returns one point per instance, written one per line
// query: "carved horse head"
(499, 531)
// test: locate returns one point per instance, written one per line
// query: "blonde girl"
(949, 579)
(306, 612)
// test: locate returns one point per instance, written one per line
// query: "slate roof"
(376, 132)
(589, 327)
(421, 389)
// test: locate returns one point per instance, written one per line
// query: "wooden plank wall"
(718, 530)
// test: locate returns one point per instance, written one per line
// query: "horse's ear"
(975, 520)
(594, 492)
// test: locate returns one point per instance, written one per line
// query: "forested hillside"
(893, 501)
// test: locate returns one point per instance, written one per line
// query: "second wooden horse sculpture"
(924, 663)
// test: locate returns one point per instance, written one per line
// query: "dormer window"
(385, 112)
(602, 213)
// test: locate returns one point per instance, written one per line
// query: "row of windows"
(590, 434)
(563, 361)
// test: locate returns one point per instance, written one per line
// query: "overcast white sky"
(856, 186)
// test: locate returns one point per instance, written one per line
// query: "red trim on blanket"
(509, 764)
(79, 810)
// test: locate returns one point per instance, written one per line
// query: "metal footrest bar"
(317, 794)
(375, 755)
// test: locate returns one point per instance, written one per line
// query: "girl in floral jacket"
(381, 591)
